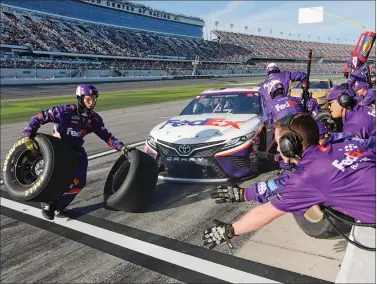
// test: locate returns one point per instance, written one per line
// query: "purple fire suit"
(369, 99)
(359, 74)
(73, 127)
(284, 77)
(340, 175)
(360, 120)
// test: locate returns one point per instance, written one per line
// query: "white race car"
(214, 139)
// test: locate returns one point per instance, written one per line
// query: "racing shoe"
(60, 214)
(48, 210)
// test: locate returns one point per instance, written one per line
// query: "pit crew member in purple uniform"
(357, 119)
(340, 175)
(72, 123)
(273, 75)
(365, 96)
(360, 72)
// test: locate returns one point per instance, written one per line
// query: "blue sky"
(279, 16)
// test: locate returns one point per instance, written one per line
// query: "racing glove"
(220, 233)
(228, 193)
(30, 144)
(126, 149)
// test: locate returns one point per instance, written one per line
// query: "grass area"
(17, 111)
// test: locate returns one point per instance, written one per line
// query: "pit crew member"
(357, 119)
(72, 123)
(340, 175)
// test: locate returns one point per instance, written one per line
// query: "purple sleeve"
(101, 131)
(296, 76)
(357, 127)
(313, 107)
(370, 98)
(52, 115)
(266, 190)
(297, 196)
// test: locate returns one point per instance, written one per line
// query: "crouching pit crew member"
(339, 175)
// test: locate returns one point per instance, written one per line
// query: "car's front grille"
(208, 151)
(192, 169)
(240, 162)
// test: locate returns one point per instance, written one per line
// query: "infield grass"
(22, 110)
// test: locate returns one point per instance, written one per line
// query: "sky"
(278, 16)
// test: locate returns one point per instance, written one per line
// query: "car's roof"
(231, 90)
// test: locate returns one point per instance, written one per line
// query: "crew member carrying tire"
(72, 123)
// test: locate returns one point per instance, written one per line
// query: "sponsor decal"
(261, 187)
(216, 122)
(272, 185)
(201, 161)
(367, 46)
(75, 117)
(372, 112)
(74, 133)
(74, 122)
(352, 153)
(285, 105)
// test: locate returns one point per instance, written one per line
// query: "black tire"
(131, 182)
(323, 229)
(54, 155)
(334, 125)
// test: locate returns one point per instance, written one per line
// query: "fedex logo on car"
(218, 122)
(285, 105)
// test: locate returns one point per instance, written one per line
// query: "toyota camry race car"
(319, 88)
(215, 138)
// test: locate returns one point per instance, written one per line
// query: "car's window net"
(237, 103)
(315, 85)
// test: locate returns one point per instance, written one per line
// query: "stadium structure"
(98, 38)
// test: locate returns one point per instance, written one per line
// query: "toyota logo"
(184, 149)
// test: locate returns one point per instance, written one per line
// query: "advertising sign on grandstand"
(145, 11)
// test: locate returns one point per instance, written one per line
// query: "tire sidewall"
(14, 188)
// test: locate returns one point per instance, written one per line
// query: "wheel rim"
(29, 165)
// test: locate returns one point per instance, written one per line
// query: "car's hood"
(208, 128)
(317, 93)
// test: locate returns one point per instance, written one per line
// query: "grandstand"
(114, 38)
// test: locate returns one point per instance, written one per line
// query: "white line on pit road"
(187, 261)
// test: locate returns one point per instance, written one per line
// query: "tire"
(58, 161)
(323, 229)
(131, 182)
(335, 125)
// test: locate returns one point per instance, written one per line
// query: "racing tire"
(323, 229)
(325, 117)
(42, 175)
(131, 182)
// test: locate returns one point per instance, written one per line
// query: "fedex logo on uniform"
(285, 105)
(74, 133)
(351, 158)
(217, 122)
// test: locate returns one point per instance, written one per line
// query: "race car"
(318, 87)
(214, 139)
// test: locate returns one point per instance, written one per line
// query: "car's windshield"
(315, 85)
(237, 103)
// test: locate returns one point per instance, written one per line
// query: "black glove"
(228, 193)
(218, 234)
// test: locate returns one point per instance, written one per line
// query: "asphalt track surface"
(36, 250)
(48, 90)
